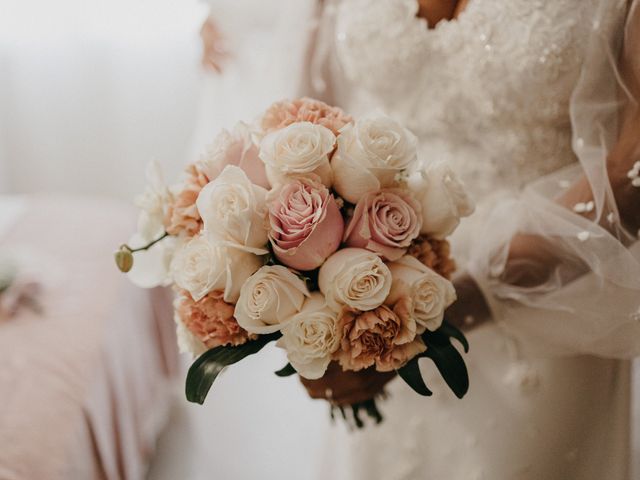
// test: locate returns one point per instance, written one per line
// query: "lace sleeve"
(560, 265)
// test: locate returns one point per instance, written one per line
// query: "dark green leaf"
(451, 366)
(452, 331)
(410, 373)
(286, 371)
(206, 368)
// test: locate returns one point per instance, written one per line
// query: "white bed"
(84, 385)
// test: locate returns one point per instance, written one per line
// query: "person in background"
(253, 53)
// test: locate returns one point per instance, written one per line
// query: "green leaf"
(451, 366)
(286, 371)
(452, 331)
(447, 358)
(410, 373)
(208, 366)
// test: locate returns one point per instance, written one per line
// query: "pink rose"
(306, 224)
(284, 113)
(382, 337)
(234, 148)
(211, 320)
(385, 222)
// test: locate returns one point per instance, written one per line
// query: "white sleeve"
(589, 300)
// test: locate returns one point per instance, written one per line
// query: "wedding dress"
(519, 95)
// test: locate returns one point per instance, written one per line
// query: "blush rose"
(385, 222)
(234, 148)
(306, 224)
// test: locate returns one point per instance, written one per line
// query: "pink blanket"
(84, 385)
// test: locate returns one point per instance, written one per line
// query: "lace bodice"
(488, 91)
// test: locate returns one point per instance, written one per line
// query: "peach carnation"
(435, 254)
(182, 214)
(211, 320)
(284, 113)
(382, 337)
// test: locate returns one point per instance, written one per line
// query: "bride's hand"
(347, 388)
(213, 50)
(470, 310)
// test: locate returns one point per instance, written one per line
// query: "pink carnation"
(385, 222)
(211, 320)
(306, 224)
(182, 215)
(284, 113)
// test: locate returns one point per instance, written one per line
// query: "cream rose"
(310, 338)
(269, 299)
(356, 278)
(200, 266)
(298, 150)
(443, 198)
(370, 155)
(234, 210)
(429, 292)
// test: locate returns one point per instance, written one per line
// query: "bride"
(534, 104)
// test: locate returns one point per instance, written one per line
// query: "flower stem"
(147, 246)
(369, 407)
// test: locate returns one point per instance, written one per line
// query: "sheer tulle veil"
(590, 300)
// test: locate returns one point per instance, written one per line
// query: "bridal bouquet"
(318, 231)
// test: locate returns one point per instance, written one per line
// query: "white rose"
(298, 150)
(201, 266)
(370, 155)
(269, 299)
(430, 293)
(356, 278)
(311, 337)
(443, 197)
(234, 210)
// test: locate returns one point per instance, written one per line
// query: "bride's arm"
(532, 258)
